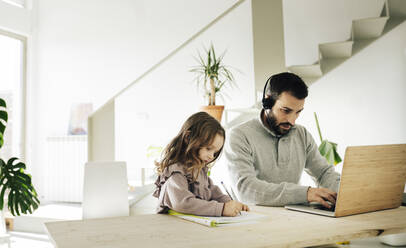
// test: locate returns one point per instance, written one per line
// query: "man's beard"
(271, 120)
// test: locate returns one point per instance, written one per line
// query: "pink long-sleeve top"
(176, 190)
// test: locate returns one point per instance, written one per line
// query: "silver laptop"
(105, 190)
(373, 178)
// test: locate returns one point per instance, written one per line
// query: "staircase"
(363, 32)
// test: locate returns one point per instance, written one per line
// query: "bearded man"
(266, 156)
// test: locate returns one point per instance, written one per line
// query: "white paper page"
(244, 217)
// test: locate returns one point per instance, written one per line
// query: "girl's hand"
(233, 208)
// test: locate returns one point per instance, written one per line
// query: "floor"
(29, 240)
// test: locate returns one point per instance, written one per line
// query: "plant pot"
(214, 110)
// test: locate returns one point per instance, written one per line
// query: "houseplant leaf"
(327, 148)
(22, 197)
(3, 120)
(14, 182)
(212, 74)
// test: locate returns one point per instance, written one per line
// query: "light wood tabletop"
(282, 228)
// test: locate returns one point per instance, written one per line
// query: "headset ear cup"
(267, 103)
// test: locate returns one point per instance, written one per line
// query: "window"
(11, 90)
(18, 3)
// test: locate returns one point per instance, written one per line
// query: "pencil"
(228, 193)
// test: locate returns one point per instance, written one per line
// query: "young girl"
(183, 184)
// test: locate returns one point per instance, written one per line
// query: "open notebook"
(244, 218)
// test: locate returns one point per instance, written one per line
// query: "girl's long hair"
(198, 131)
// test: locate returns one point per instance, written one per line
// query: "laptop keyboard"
(321, 207)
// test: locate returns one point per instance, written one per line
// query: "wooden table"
(283, 228)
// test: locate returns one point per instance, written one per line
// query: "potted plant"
(212, 75)
(327, 148)
(15, 185)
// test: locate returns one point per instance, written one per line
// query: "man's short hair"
(285, 82)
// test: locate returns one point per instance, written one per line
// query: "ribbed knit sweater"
(265, 168)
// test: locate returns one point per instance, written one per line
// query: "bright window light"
(18, 3)
(11, 92)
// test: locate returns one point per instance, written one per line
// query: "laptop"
(373, 178)
(105, 190)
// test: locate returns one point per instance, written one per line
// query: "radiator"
(67, 156)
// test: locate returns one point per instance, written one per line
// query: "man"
(267, 155)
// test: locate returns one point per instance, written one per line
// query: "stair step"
(368, 28)
(336, 49)
(306, 71)
(330, 64)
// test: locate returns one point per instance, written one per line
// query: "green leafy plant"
(154, 151)
(22, 197)
(212, 74)
(327, 148)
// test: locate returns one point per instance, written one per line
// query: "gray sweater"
(265, 169)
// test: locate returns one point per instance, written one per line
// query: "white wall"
(311, 22)
(152, 112)
(363, 101)
(87, 51)
(15, 19)
(90, 50)
(268, 38)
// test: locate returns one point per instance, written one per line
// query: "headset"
(267, 103)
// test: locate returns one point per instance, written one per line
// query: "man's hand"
(321, 195)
